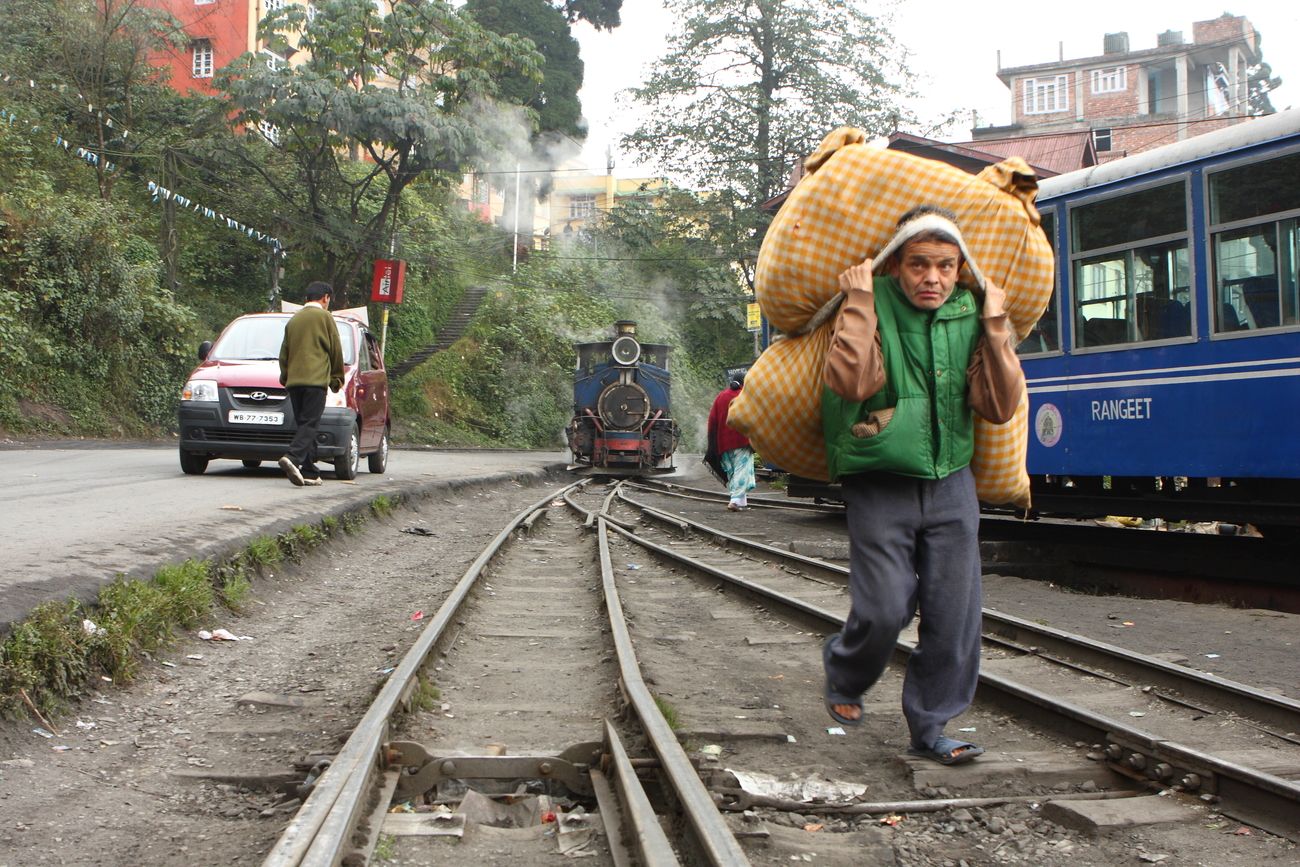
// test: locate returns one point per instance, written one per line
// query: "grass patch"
(51, 657)
(668, 712)
(383, 505)
(300, 539)
(264, 551)
(233, 584)
(425, 694)
(386, 847)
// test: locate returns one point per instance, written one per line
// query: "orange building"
(218, 32)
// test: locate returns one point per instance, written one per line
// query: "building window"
(1101, 139)
(1132, 269)
(1046, 95)
(1114, 80)
(272, 6)
(581, 207)
(273, 60)
(202, 63)
(269, 131)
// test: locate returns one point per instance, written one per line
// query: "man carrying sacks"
(912, 358)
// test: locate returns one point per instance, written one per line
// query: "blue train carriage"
(1164, 379)
(622, 412)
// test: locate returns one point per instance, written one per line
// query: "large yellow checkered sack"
(844, 211)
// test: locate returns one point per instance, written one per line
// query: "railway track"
(1245, 572)
(535, 581)
(1200, 734)
(649, 684)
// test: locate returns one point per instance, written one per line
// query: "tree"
(380, 101)
(90, 62)
(749, 87)
(674, 245)
(601, 14)
(555, 95)
(1261, 82)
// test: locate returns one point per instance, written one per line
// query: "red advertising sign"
(390, 277)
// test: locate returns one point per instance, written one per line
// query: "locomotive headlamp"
(625, 350)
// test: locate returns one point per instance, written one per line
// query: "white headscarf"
(929, 222)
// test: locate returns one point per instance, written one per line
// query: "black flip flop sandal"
(833, 696)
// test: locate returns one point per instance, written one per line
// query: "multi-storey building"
(217, 32)
(1131, 101)
(575, 202)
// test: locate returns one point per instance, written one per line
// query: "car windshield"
(259, 338)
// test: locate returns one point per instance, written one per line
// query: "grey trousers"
(912, 542)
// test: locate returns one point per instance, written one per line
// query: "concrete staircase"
(457, 323)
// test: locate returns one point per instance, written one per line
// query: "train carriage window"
(1132, 268)
(1045, 336)
(1253, 223)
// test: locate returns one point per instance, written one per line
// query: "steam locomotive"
(622, 418)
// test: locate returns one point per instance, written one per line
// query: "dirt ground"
(111, 788)
(118, 785)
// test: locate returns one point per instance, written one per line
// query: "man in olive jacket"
(311, 358)
(913, 357)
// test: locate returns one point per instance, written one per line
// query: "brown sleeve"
(854, 366)
(994, 373)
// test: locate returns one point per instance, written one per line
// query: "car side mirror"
(204, 348)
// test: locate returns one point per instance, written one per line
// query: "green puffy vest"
(932, 432)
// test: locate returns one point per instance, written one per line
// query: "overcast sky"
(953, 50)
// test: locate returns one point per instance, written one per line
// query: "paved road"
(74, 517)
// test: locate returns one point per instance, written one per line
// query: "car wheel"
(347, 464)
(192, 464)
(252, 465)
(377, 462)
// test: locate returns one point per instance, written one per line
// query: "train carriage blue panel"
(1171, 353)
(1205, 411)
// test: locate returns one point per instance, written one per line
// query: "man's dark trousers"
(913, 542)
(308, 406)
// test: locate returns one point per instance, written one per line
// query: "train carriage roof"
(1256, 131)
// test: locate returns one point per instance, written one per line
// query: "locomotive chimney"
(624, 326)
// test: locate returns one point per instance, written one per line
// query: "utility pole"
(167, 232)
(274, 296)
(514, 265)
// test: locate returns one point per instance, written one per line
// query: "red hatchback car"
(233, 405)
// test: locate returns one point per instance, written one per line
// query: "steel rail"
(799, 560)
(716, 842)
(671, 489)
(1242, 700)
(1262, 799)
(320, 831)
(1245, 702)
(713, 837)
(652, 844)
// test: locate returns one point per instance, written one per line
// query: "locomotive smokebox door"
(623, 406)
